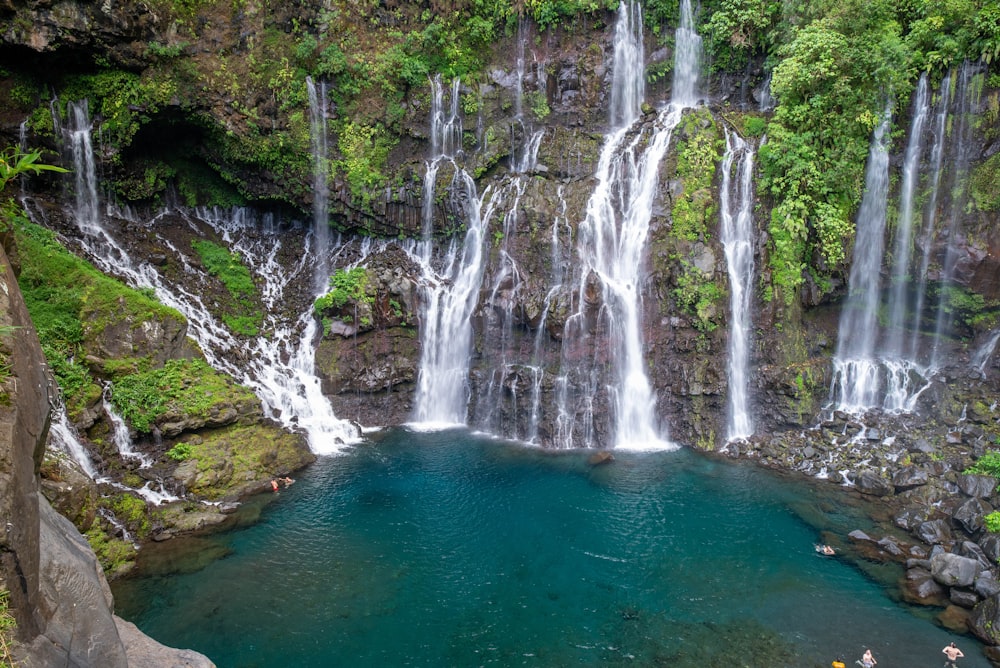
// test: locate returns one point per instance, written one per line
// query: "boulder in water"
(600, 458)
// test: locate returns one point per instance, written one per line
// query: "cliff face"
(215, 105)
(58, 593)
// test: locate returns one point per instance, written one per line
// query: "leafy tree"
(833, 81)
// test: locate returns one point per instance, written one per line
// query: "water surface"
(446, 549)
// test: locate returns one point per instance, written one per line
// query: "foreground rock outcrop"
(58, 593)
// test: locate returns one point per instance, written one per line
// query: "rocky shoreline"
(911, 472)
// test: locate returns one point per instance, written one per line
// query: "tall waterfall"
(452, 281)
(905, 376)
(736, 213)
(902, 250)
(855, 369)
(959, 169)
(687, 60)
(627, 89)
(611, 244)
(321, 189)
(88, 214)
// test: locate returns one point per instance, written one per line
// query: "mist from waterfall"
(736, 204)
(855, 367)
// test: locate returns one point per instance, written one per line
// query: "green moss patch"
(181, 389)
(230, 462)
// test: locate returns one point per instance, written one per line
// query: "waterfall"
(902, 250)
(321, 189)
(87, 211)
(278, 364)
(451, 282)
(982, 356)
(450, 296)
(958, 168)
(64, 438)
(611, 245)
(905, 377)
(687, 61)
(628, 90)
(926, 240)
(736, 213)
(120, 432)
(855, 369)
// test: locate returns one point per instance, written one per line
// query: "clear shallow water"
(444, 549)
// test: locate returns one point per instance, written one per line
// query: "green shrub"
(988, 464)
(993, 522)
(180, 452)
(347, 284)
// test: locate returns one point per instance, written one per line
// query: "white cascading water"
(451, 282)
(611, 240)
(64, 438)
(905, 377)
(736, 213)
(88, 214)
(120, 432)
(321, 188)
(926, 239)
(855, 385)
(279, 365)
(982, 356)
(959, 169)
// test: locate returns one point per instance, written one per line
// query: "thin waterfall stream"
(736, 213)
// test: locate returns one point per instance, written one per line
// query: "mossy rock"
(231, 462)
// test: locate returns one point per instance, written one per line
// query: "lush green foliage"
(244, 316)
(179, 388)
(70, 301)
(992, 521)
(698, 296)
(180, 452)
(831, 81)
(988, 464)
(698, 154)
(346, 284)
(14, 161)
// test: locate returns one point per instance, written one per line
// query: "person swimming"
(826, 549)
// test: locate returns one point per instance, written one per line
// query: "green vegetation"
(347, 285)
(114, 554)
(72, 304)
(180, 389)
(180, 452)
(988, 464)
(14, 162)
(243, 316)
(992, 521)
(698, 154)
(698, 296)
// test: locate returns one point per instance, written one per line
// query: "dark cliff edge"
(58, 593)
